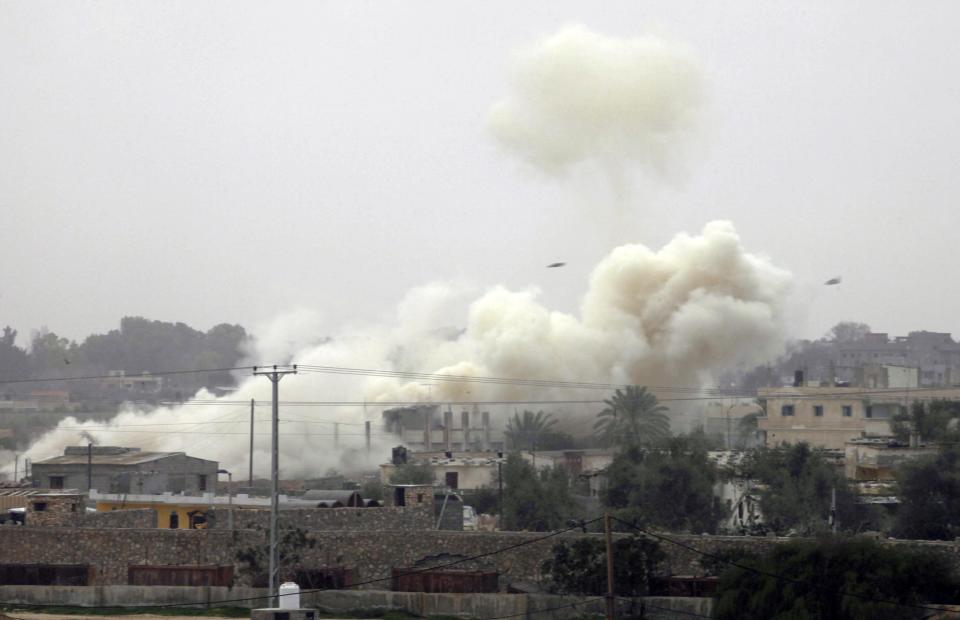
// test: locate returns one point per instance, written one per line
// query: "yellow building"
(186, 512)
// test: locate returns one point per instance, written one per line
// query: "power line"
(162, 373)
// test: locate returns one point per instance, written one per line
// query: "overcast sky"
(231, 161)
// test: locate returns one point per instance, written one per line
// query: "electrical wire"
(160, 373)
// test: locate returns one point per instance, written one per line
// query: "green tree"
(669, 487)
(632, 417)
(372, 489)
(796, 486)
(535, 431)
(933, 421)
(930, 497)
(413, 473)
(534, 500)
(49, 352)
(847, 331)
(819, 573)
(254, 561)
(580, 567)
(14, 361)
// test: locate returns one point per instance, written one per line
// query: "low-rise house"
(126, 470)
(176, 511)
(876, 459)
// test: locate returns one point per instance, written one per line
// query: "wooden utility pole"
(611, 599)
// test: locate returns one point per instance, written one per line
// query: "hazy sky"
(233, 161)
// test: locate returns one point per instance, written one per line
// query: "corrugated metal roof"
(127, 458)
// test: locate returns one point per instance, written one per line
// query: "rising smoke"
(621, 103)
(673, 316)
(670, 317)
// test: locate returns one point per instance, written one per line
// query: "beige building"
(877, 460)
(829, 417)
(475, 470)
(460, 470)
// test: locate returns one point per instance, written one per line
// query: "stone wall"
(417, 517)
(55, 509)
(369, 554)
(139, 518)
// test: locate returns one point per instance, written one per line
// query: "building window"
(202, 482)
(453, 479)
(847, 411)
(869, 411)
(39, 506)
(818, 411)
(174, 521)
(786, 410)
(56, 482)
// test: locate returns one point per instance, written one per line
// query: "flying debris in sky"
(555, 265)
(832, 281)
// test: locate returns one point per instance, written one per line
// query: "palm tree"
(632, 417)
(523, 432)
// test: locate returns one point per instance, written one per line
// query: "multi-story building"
(829, 417)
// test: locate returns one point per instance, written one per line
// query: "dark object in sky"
(66, 361)
(554, 265)
(833, 281)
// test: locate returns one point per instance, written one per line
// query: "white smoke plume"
(581, 96)
(670, 317)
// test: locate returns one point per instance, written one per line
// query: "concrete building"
(126, 470)
(829, 417)
(426, 428)
(887, 376)
(475, 470)
(454, 470)
(876, 460)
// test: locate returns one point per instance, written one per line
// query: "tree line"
(139, 345)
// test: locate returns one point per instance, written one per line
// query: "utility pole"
(89, 468)
(252, 404)
(611, 600)
(275, 374)
(500, 488)
(366, 430)
(833, 509)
